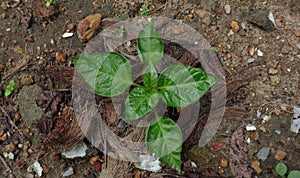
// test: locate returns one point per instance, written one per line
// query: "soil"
(262, 75)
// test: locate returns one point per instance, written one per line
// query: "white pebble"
(11, 156)
(227, 9)
(250, 127)
(69, 172)
(289, 70)
(259, 53)
(67, 35)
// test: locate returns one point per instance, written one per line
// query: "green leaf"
(164, 138)
(281, 169)
(7, 92)
(294, 174)
(140, 102)
(150, 77)
(182, 85)
(150, 48)
(173, 160)
(107, 74)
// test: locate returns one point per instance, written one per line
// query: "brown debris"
(40, 10)
(256, 166)
(88, 26)
(280, 155)
(50, 101)
(26, 18)
(238, 157)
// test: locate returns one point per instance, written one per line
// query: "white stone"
(266, 118)
(148, 162)
(259, 53)
(227, 9)
(35, 167)
(69, 172)
(11, 156)
(67, 35)
(77, 151)
(250, 127)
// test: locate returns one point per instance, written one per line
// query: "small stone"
(251, 50)
(4, 6)
(274, 79)
(71, 26)
(288, 70)
(259, 53)
(67, 35)
(273, 64)
(297, 33)
(175, 30)
(292, 58)
(298, 45)
(35, 167)
(77, 151)
(244, 26)
(254, 135)
(277, 111)
(11, 156)
(272, 71)
(256, 166)
(266, 118)
(235, 26)
(227, 9)
(3, 137)
(250, 127)
(69, 172)
(285, 49)
(223, 162)
(280, 155)
(228, 56)
(26, 80)
(88, 26)
(263, 129)
(61, 57)
(250, 60)
(94, 159)
(262, 18)
(263, 153)
(278, 132)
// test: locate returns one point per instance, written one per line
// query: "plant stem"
(135, 84)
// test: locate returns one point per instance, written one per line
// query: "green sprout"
(10, 88)
(49, 2)
(110, 74)
(121, 31)
(281, 169)
(145, 10)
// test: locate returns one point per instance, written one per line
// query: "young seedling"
(10, 88)
(145, 10)
(109, 74)
(49, 2)
(281, 169)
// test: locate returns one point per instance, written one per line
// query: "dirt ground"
(261, 61)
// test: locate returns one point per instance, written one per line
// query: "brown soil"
(37, 122)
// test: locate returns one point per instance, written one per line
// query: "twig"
(6, 166)
(12, 123)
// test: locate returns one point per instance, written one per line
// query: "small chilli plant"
(109, 74)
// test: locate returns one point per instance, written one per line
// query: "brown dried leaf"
(238, 157)
(45, 124)
(65, 134)
(88, 26)
(50, 101)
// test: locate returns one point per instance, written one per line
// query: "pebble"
(250, 127)
(297, 33)
(256, 166)
(298, 45)
(251, 60)
(251, 50)
(69, 172)
(11, 156)
(235, 26)
(244, 26)
(273, 71)
(259, 53)
(77, 151)
(67, 35)
(223, 162)
(94, 159)
(35, 167)
(3, 137)
(274, 79)
(285, 49)
(273, 64)
(61, 57)
(263, 153)
(278, 132)
(227, 9)
(266, 118)
(280, 155)
(292, 58)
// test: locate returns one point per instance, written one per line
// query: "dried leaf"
(45, 124)
(40, 10)
(238, 157)
(50, 101)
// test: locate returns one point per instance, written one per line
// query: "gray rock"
(227, 9)
(77, 151)
(273, 71)
(251, 60)
(262, 18)
(263, 153)
(69, 172)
